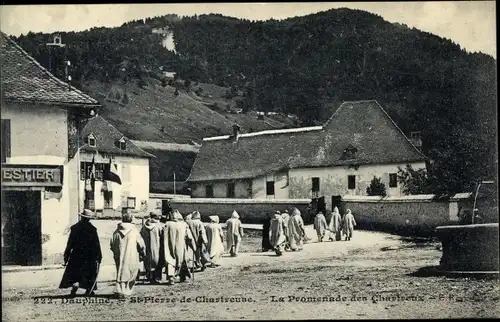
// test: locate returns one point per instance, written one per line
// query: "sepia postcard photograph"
(249, 161)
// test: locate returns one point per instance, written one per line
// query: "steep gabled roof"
(362, 124)
(25, 80)
(366, 126)
(107, 137)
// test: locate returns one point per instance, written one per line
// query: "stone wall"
(250, 210)
(415, 214)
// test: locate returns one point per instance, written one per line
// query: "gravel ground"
(365, 279)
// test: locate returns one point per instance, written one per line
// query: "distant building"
(108, 147)
(41, 117)
(339, 158)
(170, 168)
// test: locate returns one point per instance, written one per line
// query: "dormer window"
(416, 136)
(122, 144)
(92, 140)
(350, 153)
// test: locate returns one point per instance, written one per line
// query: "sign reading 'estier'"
(32, 175)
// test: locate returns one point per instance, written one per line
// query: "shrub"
(376, 188)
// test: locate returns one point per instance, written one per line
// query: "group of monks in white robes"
(182, 245)
(178, 245)
(335, 226)
(286, 232)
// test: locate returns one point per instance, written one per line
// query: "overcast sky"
(472, 24)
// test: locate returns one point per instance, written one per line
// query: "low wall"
(412, 214)
(469, 248)
(250, 210)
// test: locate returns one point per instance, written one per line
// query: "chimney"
(236, 132)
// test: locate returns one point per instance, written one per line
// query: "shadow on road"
(434, 271)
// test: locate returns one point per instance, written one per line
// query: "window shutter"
(6, 144)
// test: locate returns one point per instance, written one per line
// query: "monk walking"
(151, 232)
(320, 226)
(200, 238)
(335, 224)
(82, 256)
(234, 233)
(176, 238)
(128, 248)
(215, 239)
(277, 234)
(349, 224)
(296, 230)
(286, 218)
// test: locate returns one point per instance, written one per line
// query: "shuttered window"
(270, 188)
(6, 144)
(393, 180)
(351, 182)
(209, 191)
(230, 190)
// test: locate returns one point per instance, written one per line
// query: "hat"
(277, 212)
(87, 213)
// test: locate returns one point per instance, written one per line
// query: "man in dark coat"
(266, 225)
(82, 256)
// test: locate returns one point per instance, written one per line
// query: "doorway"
(337, 202)
(21, 228)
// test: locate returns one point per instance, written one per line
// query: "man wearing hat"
(82, 256)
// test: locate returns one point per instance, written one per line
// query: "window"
(122, 144)
(315, 184)
(86, 168)
(92, 141)
(417, 136)
(209, 191)
(350, 153)
(131, 202)
(315, 187)
(270, 188)
(230, 190)
(393, 180)
(5, 140)
(351, 182)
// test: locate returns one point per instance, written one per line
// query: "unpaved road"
(330, 280)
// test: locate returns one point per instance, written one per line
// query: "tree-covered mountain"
(306, 65)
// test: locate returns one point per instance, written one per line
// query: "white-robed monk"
(200, 238)
(277, 234)
(234, 234)
(151, 232)
(320, 226)
(286, 218)
(349, 224)
(335, 224)
(190, 252)
(128, 247)
(296, 230)
(215, 247)
(176, 237)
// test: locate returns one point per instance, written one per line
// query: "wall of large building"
(246, 188)
(39, 136)
(134, 174)
(334, 180)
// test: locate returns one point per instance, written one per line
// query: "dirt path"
(330, 280)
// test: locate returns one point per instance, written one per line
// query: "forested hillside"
(308, 65)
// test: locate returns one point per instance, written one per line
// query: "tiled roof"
(107, 137)
(363, 124)
(25, 80)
